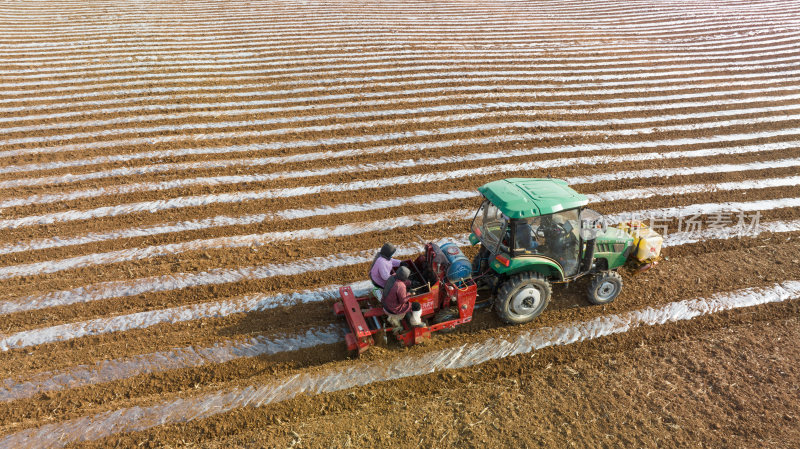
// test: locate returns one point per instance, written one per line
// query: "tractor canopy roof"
(532, 197)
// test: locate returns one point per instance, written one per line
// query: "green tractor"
(536, 232)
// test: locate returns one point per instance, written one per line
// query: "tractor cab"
(553, 237)
(536, 220)
(534, 232)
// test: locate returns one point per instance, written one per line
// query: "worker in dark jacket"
(395, 300)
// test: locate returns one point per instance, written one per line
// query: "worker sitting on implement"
(395, 301)
(382, 265)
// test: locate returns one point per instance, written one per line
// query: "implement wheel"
(605, 287)
(522, 298)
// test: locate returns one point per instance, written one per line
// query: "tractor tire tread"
(513, 284)
(598, 279)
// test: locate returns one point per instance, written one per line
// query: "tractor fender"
(543, 265)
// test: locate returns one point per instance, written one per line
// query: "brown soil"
(726, 380)
(651, 289)
(355, 196)
(285, 169)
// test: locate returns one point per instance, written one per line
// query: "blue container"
(460, 267)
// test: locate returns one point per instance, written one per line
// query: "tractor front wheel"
(605, 287)
(523, 297)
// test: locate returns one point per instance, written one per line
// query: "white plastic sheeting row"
(376, 75)
(141, 320)
(252, 106)
(359, 374)
(700, 40)
(356, 228)
(588, 86)
(432, 28)
(227, 59)
(111, 58)
(602, 56)
(289, 214)
(422, 66)
(517, 107)
(242, 220)
(255, 195)
(123, 189)
(234, 241)
(27, 180)
(256, 302)
(177, 281)
(196, 93)
(214, 276)
(187, 357)
(783, 114)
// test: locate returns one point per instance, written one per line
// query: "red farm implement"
(440, 283)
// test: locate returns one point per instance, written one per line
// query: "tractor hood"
(532, 197)
(613, 235)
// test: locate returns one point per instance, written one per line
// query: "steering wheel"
(554, 229)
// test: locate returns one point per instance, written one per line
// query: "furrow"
(203, 406)
(238, 197)
(177, 281)
(260, 302)
(431, 109)
(374, 76)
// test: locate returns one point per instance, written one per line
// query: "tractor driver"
(562, 241)
(382, 265)
(395, 300)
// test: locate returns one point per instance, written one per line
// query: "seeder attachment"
(363, 324)
(432, 290)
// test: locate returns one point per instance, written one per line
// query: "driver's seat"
(525, 240)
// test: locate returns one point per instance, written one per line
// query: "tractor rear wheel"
(523, 297)
(605, 286)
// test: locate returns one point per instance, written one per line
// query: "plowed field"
(184, 185)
